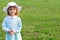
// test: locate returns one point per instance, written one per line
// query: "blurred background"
(40, 18)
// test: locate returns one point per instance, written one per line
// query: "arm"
(19, 26)
(4, 26)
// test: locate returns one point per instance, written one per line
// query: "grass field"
(40, 18)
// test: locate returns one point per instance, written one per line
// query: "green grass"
(40, 18)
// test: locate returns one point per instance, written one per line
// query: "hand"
(11, 32)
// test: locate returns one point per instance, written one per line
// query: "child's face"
(12, 11)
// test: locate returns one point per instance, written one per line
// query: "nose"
(11, 9)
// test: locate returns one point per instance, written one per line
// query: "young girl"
(12, 23)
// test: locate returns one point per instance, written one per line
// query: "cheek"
(15, 11)
(9, 11)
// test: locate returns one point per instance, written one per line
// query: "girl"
(12, 23)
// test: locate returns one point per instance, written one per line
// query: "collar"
(11, 16)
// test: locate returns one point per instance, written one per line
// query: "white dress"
(12, 23)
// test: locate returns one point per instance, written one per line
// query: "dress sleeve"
(19, 26)
(4, 25)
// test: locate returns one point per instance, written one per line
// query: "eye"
(10, 9)
(14, 9)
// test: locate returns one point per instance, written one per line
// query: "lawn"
(40, 18)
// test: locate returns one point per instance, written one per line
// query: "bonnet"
(12, 4)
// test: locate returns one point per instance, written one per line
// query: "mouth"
(12, 12)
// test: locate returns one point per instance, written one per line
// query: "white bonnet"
(12, 4)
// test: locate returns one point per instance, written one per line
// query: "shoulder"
(5, 18)
(18, 18)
